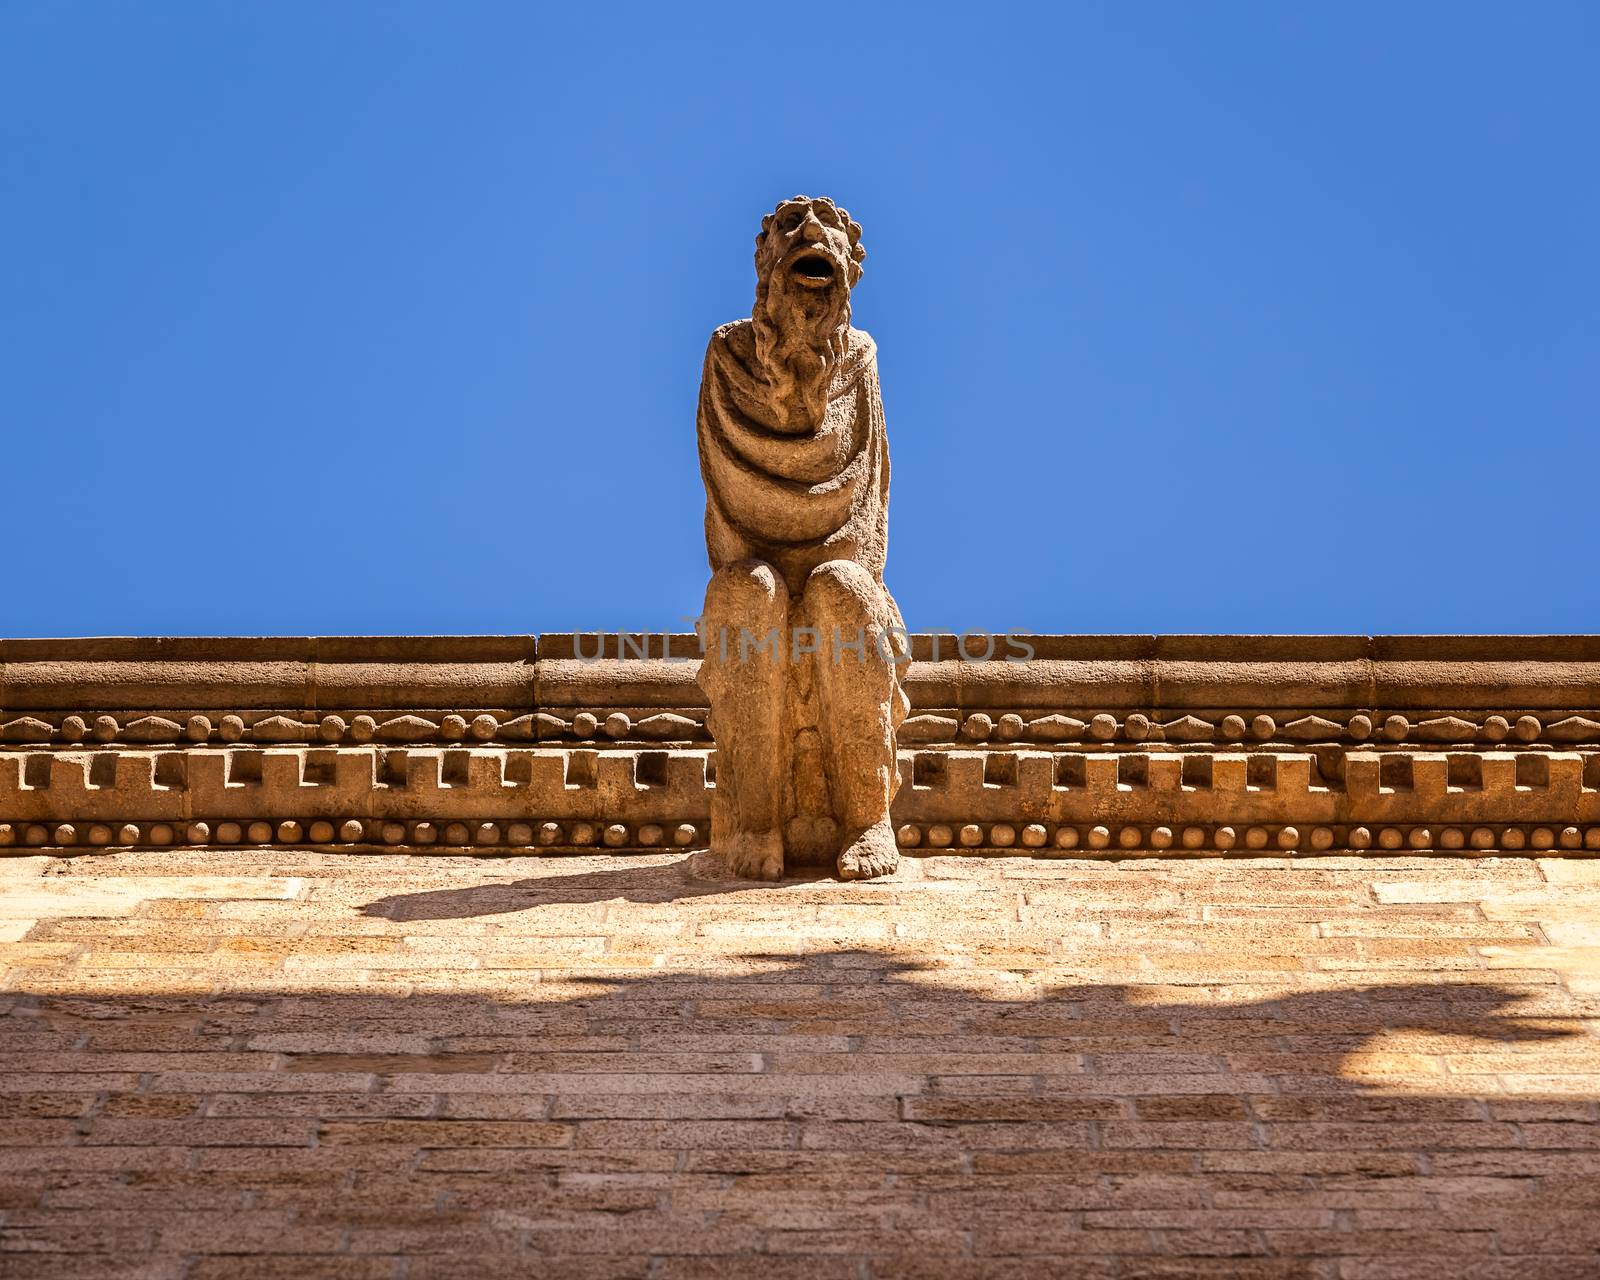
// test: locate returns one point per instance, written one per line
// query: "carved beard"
(801, 335)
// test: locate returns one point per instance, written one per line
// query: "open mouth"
(813, 270)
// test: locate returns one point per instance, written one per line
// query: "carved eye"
(793, 219)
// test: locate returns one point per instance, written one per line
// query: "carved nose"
(811, 229)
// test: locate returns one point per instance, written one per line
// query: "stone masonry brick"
(397, 1066)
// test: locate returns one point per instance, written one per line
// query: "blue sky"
(388, 318)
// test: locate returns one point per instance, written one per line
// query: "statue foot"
(872, 853)
(756, 855)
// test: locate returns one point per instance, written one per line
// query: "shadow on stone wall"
(837, 1114)
(647, 883)
(843, 1114)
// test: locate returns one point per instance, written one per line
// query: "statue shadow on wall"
(700, 874)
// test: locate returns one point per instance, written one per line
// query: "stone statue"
(803, 644)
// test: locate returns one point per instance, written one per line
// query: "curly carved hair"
(851, 228)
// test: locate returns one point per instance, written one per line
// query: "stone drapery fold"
(793, 498)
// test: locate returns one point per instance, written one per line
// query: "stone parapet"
(1097, 746)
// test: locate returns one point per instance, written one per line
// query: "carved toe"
(757, 856)
(872, 853)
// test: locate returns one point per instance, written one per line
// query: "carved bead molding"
(103, 728)
(554, 836)
(1248, 726)
(689, 725)
(1099, 840)
(1102, 746)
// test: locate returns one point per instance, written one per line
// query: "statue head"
(808, 258)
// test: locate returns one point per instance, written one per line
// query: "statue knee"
(841, 590)
(748, 594)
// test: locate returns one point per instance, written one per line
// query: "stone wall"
(1097, 746)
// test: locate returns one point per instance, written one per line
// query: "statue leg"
(859, 695)
(742, 673)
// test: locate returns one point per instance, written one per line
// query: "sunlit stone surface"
(400, 1064)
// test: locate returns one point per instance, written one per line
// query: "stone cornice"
(527, 673)
(1100, 744)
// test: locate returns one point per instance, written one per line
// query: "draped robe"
(794, 498)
